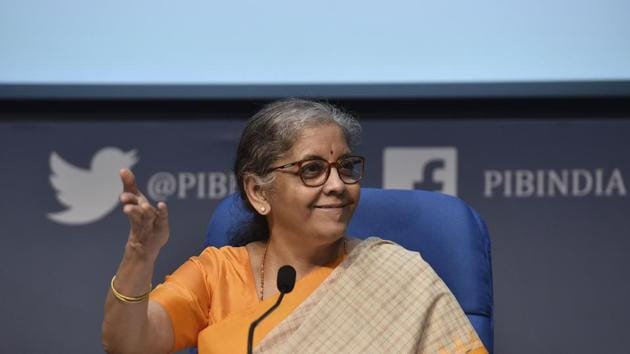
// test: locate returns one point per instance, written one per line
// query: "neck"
(303, 256)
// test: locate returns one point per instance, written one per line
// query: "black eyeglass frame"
(336, 164)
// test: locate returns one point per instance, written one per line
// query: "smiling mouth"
(336, 206)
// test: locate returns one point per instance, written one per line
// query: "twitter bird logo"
(90, 194)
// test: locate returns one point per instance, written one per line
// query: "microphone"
(285, 283)
(286, 279)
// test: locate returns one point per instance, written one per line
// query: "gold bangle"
(129, 299)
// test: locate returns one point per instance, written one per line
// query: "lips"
(332, 206)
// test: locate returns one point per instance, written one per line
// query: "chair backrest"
(448, 233)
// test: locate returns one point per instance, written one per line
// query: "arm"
(142, 327)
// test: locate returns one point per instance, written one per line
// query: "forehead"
(322, 141)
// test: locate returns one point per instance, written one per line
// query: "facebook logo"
(427, 168)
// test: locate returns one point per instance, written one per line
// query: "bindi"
(331, 152)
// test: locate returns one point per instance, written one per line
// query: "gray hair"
(271, 133)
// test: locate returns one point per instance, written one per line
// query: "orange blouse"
(205, 290)
(211, 300)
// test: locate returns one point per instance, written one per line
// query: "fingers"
(129, 181)
(163, 215)
(144, 210)
(129, 198)
(134, 199)
(140, 209)
(130, 187)
(133, 211)
(140, 212)
(142, 216)
(136, 205)
(146, 221)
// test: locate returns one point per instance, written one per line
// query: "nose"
(334, 184)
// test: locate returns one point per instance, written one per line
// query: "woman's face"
(319, 213)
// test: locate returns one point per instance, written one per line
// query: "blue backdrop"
(553, 193)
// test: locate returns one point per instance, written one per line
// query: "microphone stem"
(250, 335)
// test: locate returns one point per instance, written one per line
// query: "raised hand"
(137, 326)
(149, 228)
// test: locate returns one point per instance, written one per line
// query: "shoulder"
(214, 262)
(217, 267)
(378, 246)
(388, 256)
(222, 256)
(387, 261)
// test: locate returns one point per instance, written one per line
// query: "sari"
(380, 298)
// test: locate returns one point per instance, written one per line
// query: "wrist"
(126, 298)
(138, 253)
(135, 272)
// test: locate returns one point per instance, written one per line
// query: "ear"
(256, 194)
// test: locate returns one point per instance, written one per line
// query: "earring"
(263, 209)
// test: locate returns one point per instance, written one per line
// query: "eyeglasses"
(314, 172)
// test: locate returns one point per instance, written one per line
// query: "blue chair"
(448, 233)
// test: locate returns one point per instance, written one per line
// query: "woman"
(297, 174)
